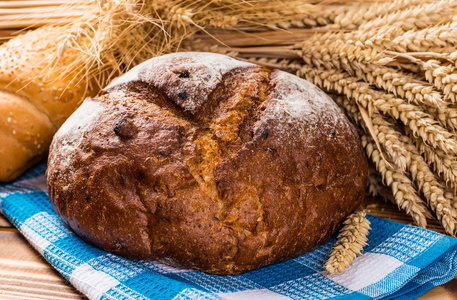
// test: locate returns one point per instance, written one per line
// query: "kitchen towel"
(400, 262)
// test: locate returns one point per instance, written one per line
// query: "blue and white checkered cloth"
(401, 261)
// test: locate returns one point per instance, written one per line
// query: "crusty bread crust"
(206, 162)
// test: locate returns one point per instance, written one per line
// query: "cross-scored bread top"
(256, 167)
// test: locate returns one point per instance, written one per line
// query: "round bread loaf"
(203, 161)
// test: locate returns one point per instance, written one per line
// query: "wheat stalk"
(413, 116)
(393, 174)
(403, 189)
(415, 16)
(376, 188)
(351, 240)
(351, 18)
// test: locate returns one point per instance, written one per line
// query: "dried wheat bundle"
(113, 36)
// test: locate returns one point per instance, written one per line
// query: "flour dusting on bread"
(297, 101)
(71, 133)
(186, 78)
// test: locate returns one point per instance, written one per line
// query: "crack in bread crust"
(231, 106)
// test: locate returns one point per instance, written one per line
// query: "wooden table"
(24, 274)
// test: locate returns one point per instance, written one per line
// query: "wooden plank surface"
(24, 274)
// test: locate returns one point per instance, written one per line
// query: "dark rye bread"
(202, 161)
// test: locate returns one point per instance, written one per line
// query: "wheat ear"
(334, 51)
(355, 16)
(431, 39)
(444, 164)
(376, 187)
(406, 156)
(413, 116)
(415, 16)
(404, 190)
(427, 182)
(350, 242)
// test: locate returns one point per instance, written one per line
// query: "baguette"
(33, 106)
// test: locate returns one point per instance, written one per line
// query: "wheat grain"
(444, 164)
(404, 191)
(450, 195)
(376, 187)
(442, 76)
(446, 117)
(354, 16)
(390, 139)
(406, 157)
(415, 16)
(421, 123)
(368, 64)
(350, 242)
